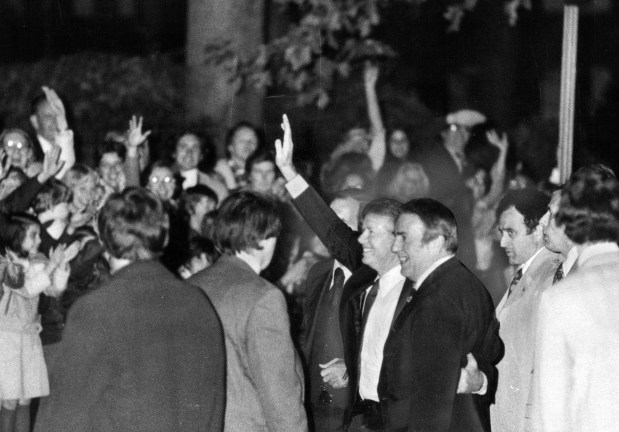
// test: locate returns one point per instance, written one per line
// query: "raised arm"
(340, 240)
(377, 149)
(135, 138)
(497, 174)
(64, 135)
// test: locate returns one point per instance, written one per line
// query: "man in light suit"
(264, 376)
(555, 238)
(519, 214)
(576, 375)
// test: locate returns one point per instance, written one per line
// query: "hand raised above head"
(57, 107)
(501, 142)
(135, 137)
(284, 151)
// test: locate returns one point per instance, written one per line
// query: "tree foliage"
(328, 38)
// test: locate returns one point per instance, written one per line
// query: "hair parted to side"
(382, 207)
(531, 203)
(437, 218)
(589, 208)
(13, 232)
(243, 220)
(133, 225)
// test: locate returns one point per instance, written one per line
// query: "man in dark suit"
(264, 376)
(450, 315)
(444, 163)
(376, 276)
(322, 340)
(144, 352)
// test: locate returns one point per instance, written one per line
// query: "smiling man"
(521, 215)
(449, 316)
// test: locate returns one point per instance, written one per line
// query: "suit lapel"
(529, 278)
(406, 296)
(410, 297)
(321, 282)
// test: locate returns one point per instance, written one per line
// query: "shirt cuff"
(484, 386)
(296, 186)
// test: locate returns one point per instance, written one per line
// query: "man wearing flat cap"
(444, 163)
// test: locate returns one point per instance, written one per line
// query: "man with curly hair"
(576, 374)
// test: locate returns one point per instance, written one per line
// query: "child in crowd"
(25, 274)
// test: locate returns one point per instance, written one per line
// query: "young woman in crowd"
(25, 273)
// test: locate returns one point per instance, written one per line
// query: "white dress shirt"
(376, 331)
(570, 260)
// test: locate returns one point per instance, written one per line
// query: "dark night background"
(510, 73)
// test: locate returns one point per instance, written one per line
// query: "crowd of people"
(190, 293)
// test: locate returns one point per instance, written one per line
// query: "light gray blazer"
(517, 316)
(265, 384)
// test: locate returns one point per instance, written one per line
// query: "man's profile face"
(415, 255)
(519, 244)
(44, 121)
(554, 235)
(347, 209)
(377, 235)
(456, 137)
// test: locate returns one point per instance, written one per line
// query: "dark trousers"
(367, 416)
(328, 418)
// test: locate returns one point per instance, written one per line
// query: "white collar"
(430, 269)
(528, 262)
(251, 260)
(390, 279)
(570, 260)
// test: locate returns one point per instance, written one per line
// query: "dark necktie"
(369, 301)
(336, 289)
(515, 280)
(558, 274)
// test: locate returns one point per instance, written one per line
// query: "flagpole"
(568, 88)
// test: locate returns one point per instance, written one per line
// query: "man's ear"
(538, 232)
(34, 122)
(438, 243)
